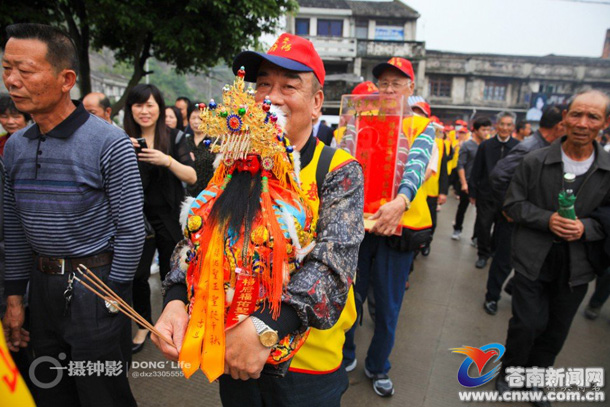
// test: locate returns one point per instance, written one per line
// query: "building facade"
(458, 85)
(354, 36)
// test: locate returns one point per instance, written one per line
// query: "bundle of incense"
(116, 301)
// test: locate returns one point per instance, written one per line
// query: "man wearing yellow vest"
(384, 260)
(436, 182)
(320, 296)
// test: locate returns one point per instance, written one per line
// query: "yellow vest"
(453, 142)
(431, 185)
(418, 216)
(322, 352)
(13, 390)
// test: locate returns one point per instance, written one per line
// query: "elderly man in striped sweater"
(72, 196)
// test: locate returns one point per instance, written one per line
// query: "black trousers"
(543, 311)
(293, 390)
(501, 264)
(82, 354)
(141, 287)
(165, 242)
(602, 290)
(487, 214)
(461, 210)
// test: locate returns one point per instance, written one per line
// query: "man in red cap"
(320, 295)
(389, 271)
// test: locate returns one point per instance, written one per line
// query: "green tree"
(190, 35)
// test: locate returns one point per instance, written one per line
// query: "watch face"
(269, 338)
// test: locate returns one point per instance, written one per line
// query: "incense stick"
(116, 301)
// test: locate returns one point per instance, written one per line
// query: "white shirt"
(576, 167)
(316, 128)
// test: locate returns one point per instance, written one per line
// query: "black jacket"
(505, 169)
(599, 252)
(325, 134)
(489, 153)
(532, 199)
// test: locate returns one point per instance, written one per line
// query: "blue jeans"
(387, 270)
(293, 390)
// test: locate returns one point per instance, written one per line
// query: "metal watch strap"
(259, 325)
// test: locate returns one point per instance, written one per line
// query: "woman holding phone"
(165, 163)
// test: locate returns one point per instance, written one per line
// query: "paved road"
(442, 310)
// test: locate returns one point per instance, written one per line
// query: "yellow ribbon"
(204, 342)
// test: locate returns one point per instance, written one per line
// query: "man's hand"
(172, 323)
(473, 201)
(442, 199)
(388, 217)
(567, 229)
(465, 188)
(16, 336)
(245, 356)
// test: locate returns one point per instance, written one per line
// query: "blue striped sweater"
(417, 161)
(72, 192)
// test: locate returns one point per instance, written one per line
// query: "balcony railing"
(334, 47)
(387, 49)
(341, 48)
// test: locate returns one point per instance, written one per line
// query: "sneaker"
(481, 263)
(502, 385)
(474, 242)
(351, 366)
(591, 312)
(154, 268)
(456, 235)
(382, 384)
(540, 403)
(491, 307)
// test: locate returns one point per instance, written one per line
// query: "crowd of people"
(80, 190)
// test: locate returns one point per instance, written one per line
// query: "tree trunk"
(80, 35)
(141, 54)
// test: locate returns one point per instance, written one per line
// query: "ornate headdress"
(248, 231)
(240, 127)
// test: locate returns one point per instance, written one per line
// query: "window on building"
(302, 26)
(494, 91)
(330, 28)
(362, 30)
(439, 87)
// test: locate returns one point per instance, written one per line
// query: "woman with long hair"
(11, 120)
(173, 118)
(204, 158)
(165, 163)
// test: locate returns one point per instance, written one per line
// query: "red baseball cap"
(461, 123)
(464, 129)
(365, 88)
(289, 52)
(424, 106)
(401, 64)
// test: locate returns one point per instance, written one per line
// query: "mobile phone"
(142, 142)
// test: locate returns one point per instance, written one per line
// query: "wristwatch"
(267, 336)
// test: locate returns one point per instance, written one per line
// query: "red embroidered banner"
(373, 134)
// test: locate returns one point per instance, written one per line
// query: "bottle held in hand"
(567, 199)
